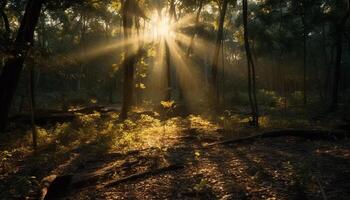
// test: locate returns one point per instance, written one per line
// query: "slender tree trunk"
(339, 50)
(168, 71)
(214, 69)
(304, 71)
(328, 81)
(172, 10)
(172, 15)
(251, 69)
(13, 67)
(223, 71)
(303, 18)
(83, 22)
(5, 19)
(128, 85)
(190, 47)
(326, 62)
(32, 105)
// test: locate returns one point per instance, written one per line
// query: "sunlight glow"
(161, 26)
(190, 78)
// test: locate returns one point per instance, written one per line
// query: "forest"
(175, 99)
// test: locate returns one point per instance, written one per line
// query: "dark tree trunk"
(172, 10)
(32, 105)
(168, 55)
(339, 52)
(189, 50)
(168, 71)
(281, 70)
(5, 19)
(12, 70)
(214, 70)
(251, 69)
(129, 61)
(303, 18)
(223, 72)
(326, 63)
(83, 23)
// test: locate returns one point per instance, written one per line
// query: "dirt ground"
(179, 158)
(279, 168)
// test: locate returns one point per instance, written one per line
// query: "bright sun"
(161, 26)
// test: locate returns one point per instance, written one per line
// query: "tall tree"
(130, 11)
(219, 37)
(13, 67)
(251, 69)
(200, 7)
(303, 19)
(129, 59)
(5, 19)
(339, 51)
(172, 14)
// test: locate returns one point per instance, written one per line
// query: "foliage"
(167, 104)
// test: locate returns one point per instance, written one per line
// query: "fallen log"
(118, 156)
(307, 134)
(57, 187)
(55, 117)
(44, 118)
(97, 108)
(92, 178)
(143, 175)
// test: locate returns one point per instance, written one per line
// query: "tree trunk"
(189, 50)
(326, 63)
(219, 37)
(83, 22)
(32, 105)
(223, 72)
(172, 14)
(251, 69)
(337, 69)
(129, 61)
(168, 71)
(5, 19)
(304, 52)
(13, 67)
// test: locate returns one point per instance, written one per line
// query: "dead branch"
(144, 174)
(307, 134)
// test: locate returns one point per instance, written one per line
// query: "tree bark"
(214, 70)
(13, 67)
(32, 105)
(129, 61)
(5, 19)
(189, 50)
(172, 13)
(168, 71)
(304, 52)
(251, 69)
(337, 69)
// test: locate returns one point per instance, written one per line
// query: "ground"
(91, 157)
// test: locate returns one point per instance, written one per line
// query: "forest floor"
(147, 157)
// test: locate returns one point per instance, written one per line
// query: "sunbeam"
(186, 21)
(200, 47)
(156, 80)
(96, 50)
(189, 77)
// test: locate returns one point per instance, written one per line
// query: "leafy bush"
(269, 98)
(296, 97)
